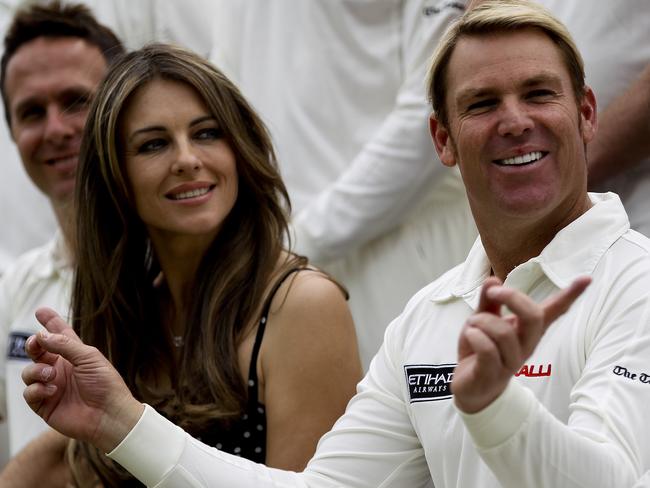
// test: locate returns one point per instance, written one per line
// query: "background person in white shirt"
(54, 58)
(615, 44)
(461, 393)
(28, 220)
(341, 87)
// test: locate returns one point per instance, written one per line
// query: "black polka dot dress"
(246, 437)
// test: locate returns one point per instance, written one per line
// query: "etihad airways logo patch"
(429, 382)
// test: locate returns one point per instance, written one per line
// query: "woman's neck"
(179, 259)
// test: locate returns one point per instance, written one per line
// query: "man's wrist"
(500, 420)
(140, 453)
(117, 425)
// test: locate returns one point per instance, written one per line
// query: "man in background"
(54, 58)
(615, 43)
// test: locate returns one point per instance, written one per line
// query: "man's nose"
(59, 126)
(515, 119)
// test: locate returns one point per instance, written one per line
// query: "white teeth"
(526, 158)
(190, 194)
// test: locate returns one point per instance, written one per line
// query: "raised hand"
(492, 347)
(74, 388)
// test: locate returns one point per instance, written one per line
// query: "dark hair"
(55, 20)
(115, 305)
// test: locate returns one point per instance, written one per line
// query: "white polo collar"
(573, 252)
(55, 259)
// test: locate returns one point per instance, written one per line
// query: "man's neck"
(65, 217)
(505, 254)
(508, 243)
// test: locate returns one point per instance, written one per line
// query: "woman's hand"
(74, 388)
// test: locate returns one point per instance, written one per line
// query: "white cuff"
(152, 448)
(500, 420)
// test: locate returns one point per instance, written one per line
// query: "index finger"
(54, 323)
(557, 304)
(51, 320)
(37, 353)
(487, 304)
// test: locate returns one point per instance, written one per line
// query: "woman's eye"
(211, 133)
(152, 145)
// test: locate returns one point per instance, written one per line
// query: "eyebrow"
(541, 79)
(73, 91)
(160, 128)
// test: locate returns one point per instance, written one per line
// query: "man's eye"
(540, 94)
(152, 145)
(75, 102)
(211, 133)
(31, 113)
(482, 104)
(78, 103)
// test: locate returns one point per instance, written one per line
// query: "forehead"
(503, 60)
(159, 100)
(44, 65)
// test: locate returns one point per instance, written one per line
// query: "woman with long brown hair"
(182, 278)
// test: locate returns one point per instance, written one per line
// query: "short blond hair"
(497, 16)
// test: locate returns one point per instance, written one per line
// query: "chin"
(209, 229)
(62, 198)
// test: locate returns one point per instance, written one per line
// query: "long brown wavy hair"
(115, 306)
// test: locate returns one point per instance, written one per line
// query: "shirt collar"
(56, 257)
(573, 252)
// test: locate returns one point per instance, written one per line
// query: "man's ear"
(588, 115)
(442, 141)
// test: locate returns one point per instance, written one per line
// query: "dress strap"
(252, 370)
